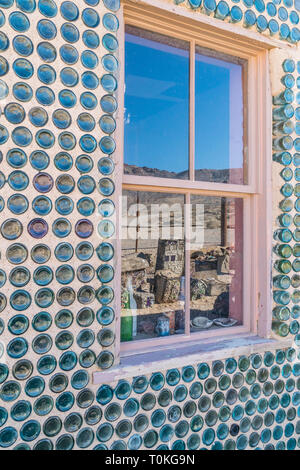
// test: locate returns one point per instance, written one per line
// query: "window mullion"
(192, 112)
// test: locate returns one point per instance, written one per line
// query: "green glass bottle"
(283, 235)
(281, 297)
(281, 282)
(283, 266)
(284, 158)
(284, 250)
(126, 319)
(281, 313)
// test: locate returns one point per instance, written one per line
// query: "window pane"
(216, 262)
(156, 105)
(153, 263)
(219, 121)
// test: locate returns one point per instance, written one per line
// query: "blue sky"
(157, 108)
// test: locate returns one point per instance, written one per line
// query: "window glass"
(219, 121)
(216, 262)
(156, 105)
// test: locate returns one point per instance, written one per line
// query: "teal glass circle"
(8, 437)
(18, 180)
(88, 143)
(61, 227)
(41, 321)
(21, 410)
(86, 122)
(89, 59)
(42, 205)
(108, 104)
(69, 11)
(46, 74)
(64, 205)
(22, 45)
(87, 358)
(68, 360)
(18, 204)
(64, 274)
(85, 438)
(80, 379)
(39, 160)
(109, 83)
(22, 68)
(67, 140)
(69, 32)
(84, 163)
(44, 297)
(43, 275)
(106, 208)
(73, 422)
(69, 77)
(84, 251)
(105, 295)
(61, 118)
(65, 184)
(52, 426)
(90, 39)
(65, 443)
(85, 317)
(105, 251)
(40, 254)
(88, 100)
(65, 296)
(21, 91)
(4, 90)
(86, 184)
(107, 145)
(45, 138)
(69, 54)
(48, 8)
(63, 161)
(21, 136)
(110, 22)
(10, 391)
(20, 300)
(38, 116)
(65, 401)
(18, 324)
(85, 273)
(105, 360)
(67, 98)
(64, 319)
(86, 206)
(46, 29)
(47, 52)
(14, 113)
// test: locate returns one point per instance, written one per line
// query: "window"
(190, 188)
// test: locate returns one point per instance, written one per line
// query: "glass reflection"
(156, 105)
(219, 160)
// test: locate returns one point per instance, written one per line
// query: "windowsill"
(193, 353)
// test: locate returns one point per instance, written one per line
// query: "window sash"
(191, 181)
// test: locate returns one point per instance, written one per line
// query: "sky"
(157, 108)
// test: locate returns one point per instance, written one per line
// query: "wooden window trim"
(256, 195)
